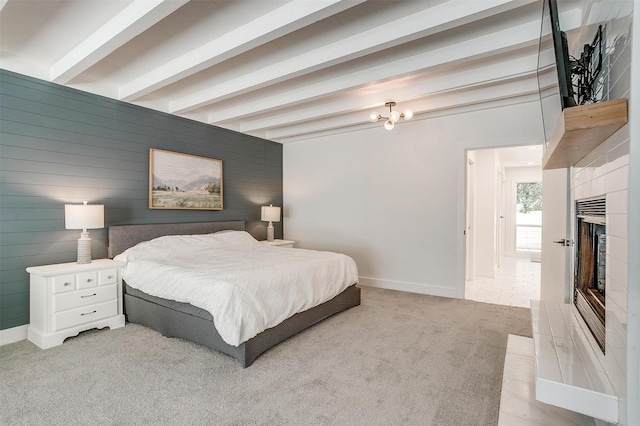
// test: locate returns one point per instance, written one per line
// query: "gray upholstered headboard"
(121, 237)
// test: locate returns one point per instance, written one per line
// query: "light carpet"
(398, 359)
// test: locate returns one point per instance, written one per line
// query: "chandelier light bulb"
(392, 118)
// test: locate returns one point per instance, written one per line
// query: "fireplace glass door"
(590, 278)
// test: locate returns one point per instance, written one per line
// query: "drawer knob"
(67, 284)
(88, 313)
(88, 295)
(109, 277)
(89, 280)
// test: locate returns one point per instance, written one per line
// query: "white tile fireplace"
(581, 360)
(605, 173)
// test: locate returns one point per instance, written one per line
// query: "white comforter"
(246, 286)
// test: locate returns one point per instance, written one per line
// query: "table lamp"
(83, 216)
(270, 214)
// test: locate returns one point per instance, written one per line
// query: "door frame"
(469, 222)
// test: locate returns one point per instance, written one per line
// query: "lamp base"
(84, 248)
(270, 232)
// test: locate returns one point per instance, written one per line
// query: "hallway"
(517, 281)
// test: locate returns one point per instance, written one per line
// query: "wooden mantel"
(581, 129)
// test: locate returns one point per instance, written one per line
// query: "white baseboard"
(12, 335)
(409, 287)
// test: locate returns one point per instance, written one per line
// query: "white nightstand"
(279, 243)
(68, 298)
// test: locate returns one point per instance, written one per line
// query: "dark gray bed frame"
(174, 319)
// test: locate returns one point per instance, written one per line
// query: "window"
(529, 216)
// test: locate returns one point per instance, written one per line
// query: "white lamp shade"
(270, 214)
(83, 216)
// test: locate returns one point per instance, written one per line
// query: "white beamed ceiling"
(282, 70)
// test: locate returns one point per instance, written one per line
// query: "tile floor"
(518, 405)
(517, 281)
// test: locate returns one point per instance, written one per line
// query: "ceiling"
(281, 70)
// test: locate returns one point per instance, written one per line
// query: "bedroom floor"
(517, 281)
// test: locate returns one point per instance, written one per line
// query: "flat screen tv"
(561, 51)
(554, 84)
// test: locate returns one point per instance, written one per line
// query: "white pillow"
(169, 245)
(236, 238)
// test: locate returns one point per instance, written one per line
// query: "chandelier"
(394, 116)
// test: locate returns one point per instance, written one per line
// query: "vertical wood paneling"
(59, 145)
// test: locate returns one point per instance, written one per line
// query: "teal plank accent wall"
(60, 145)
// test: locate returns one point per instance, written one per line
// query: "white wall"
(395, 200)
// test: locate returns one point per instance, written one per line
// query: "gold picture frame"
(184, 181)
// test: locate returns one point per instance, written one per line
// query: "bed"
(186, 320)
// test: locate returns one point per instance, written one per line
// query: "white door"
(555, 279)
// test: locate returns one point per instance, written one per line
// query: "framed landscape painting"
(183, 181)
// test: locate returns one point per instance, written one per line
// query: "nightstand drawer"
(64, 283)
(77, 299)
(85, 314)
(67, 298)
(108, 276)
(87, 279)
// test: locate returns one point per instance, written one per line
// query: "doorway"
(503, 229)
